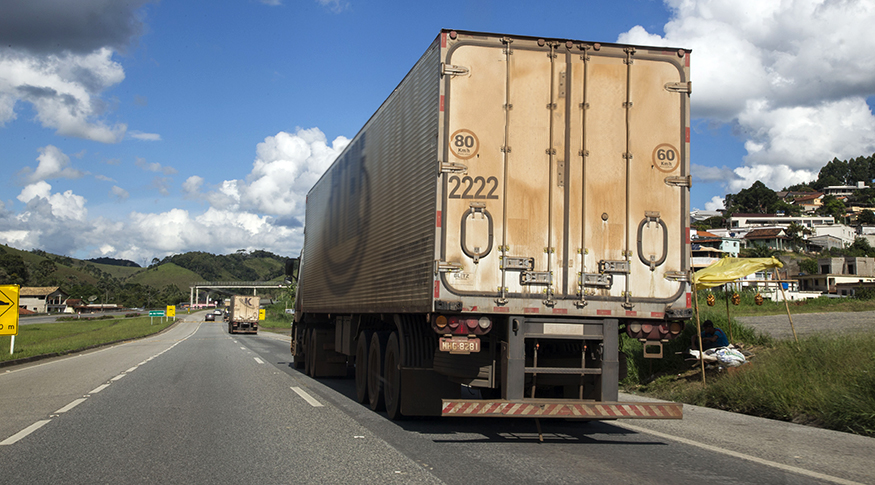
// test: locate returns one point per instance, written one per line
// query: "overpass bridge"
(218, 286)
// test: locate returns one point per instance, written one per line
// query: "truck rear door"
(567, 175)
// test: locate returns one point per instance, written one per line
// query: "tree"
(757, 199)
(809, 266)
(760, 251)
(16, 269)
(832, 207)
(44, 271)
(795, 232)
(866, 217)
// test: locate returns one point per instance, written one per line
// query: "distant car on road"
(217, 312)
(210, 317)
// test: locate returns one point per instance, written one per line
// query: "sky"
(142, 129)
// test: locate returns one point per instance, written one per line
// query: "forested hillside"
(124, 283)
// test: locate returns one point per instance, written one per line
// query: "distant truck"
(243, 317)
(512, 207)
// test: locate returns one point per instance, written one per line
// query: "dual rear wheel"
(378, 378)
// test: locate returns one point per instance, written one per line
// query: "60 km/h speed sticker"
(464, 144)
(666, 158)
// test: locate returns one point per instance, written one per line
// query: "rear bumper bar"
(552, 409)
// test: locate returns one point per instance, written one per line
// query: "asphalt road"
(196, 405)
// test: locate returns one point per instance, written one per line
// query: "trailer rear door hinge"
(676, 181)
(449, 167)
(678, 276)
(686, 87)
(451, 70)
(446, 267)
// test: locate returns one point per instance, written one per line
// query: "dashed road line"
(26, 431)
(70, 406)
(310, 399)
(258, 360)
(99, 388)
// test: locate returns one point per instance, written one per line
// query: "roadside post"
(9, 313)
(155, 313)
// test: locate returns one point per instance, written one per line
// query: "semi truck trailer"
(243, 316)
(514, 206)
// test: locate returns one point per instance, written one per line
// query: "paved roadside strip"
(11, 440)
(822, 454)
(778, 326)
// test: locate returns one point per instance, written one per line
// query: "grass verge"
(277, 320)
(824, 381)
(64, 337)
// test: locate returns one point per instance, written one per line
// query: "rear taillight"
(461, 324)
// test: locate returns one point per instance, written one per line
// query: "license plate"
(460, 345)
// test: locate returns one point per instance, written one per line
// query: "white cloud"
(64, 89)
(715, 204)
(336, 6)
(286, 167)
(793, 75)
(139, 135)
(65, 205)
(264, 211)
(53, 164)
(154, 167)
(119, 193)
(192, 186)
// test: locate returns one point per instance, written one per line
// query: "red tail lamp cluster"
(461, 324)
(654, 330)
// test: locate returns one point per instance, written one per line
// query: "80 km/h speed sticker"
(464, 144)
(666, 158)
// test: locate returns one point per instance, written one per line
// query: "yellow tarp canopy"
(727, 270)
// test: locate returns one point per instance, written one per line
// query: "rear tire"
(361, 366)
(376, 355)
(311, 354)
(392, 380)
(300, 355)
(308, 350)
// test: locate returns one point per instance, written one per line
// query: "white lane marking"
(792, 469)
(26, 431)
(70, 406)
(132, 369)
(242, 348)
(117, 377)
(99, 388)
(258, 360)
(310, 399)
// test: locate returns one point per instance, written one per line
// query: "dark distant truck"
(243, 317)
(512, 207)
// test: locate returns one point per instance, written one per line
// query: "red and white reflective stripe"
(586, 410)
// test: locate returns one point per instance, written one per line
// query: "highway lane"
(212, 407)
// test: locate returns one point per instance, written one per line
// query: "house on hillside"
(773, 238)
(42, 299)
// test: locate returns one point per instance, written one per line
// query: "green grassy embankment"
(65, 337)
(276, 320)
(824, 380)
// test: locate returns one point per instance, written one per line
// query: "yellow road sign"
(171, 311)
(261, 314)
(9, 309)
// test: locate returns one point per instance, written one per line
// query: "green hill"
(167, 280)
(165, 274)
